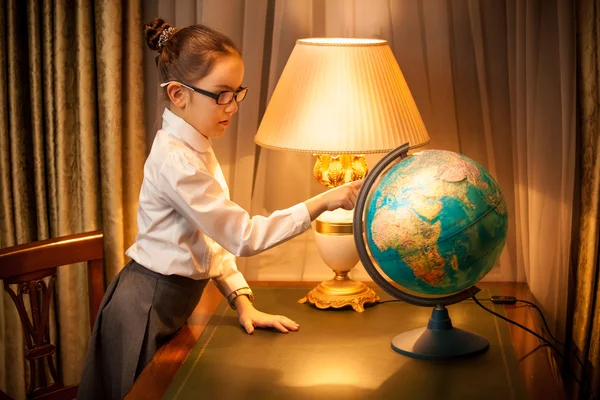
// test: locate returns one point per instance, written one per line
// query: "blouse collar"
(178, 127)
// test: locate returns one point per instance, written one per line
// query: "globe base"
(439, 340)
(339, 292)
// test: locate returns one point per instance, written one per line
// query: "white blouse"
(187, 224)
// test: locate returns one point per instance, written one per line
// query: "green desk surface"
(342, 354)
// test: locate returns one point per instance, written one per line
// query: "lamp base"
(339, 292)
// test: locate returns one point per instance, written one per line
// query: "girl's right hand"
(340, 197)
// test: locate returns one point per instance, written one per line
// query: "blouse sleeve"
(199, 197)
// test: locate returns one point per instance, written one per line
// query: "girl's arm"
(199, 198)
(340, 197)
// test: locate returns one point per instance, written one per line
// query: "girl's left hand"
(251, 318)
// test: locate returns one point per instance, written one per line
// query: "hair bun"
(157, 32)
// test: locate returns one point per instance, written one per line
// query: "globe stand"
(439, 340)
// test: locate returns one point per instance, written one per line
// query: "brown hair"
(189, 53)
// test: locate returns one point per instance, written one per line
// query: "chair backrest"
(28, 266)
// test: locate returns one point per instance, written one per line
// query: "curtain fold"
(585, 327)
(542, 105)
(72, 148)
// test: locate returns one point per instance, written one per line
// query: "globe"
(434, 223)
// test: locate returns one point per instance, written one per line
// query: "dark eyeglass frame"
(212, 95)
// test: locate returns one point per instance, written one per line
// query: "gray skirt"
(140, 311)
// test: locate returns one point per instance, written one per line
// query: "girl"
(189, 230)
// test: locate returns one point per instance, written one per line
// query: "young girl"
(189, 229)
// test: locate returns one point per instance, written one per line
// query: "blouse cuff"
(230, 283)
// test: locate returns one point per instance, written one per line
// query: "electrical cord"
(513, 300)
(391, 301)
(550, 332)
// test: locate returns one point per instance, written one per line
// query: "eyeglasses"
(222, 98)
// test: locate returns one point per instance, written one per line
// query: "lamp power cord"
(511, 300)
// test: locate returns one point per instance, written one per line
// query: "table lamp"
(339, 99)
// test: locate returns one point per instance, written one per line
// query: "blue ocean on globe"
(436, 223)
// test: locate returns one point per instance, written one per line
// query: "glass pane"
(225, 98)
(241, 95)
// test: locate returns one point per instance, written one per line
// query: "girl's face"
(203, 112)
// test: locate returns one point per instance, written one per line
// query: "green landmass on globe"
(436, 223)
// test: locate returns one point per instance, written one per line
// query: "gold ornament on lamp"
(340, 99)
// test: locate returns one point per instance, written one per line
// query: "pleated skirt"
(140, 311)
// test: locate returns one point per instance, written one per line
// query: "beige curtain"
(585, 328)
(72, 147)
(494, 80)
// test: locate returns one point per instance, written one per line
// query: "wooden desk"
(538, 371)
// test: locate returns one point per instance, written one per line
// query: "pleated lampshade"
(341, 96)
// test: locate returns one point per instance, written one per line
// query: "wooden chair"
(26, 266)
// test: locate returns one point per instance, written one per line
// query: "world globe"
(434, 223)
